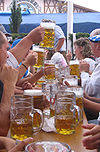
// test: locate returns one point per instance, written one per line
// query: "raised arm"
(20, 50)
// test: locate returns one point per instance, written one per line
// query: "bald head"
(2, 39)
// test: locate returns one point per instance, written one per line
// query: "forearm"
(20, 50)
(34, 78)
(5, 109)
(91, 105)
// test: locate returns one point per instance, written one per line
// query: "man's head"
(3, 48)
(95, 42)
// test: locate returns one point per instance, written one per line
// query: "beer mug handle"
(36, 129)
(79, 112)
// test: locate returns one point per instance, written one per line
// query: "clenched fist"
(8, 75)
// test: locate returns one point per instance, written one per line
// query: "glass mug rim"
(64, 144)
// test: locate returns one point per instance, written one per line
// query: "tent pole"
(69, 23)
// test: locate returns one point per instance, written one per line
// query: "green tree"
(15, 18)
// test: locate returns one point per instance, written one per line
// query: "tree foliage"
(15, 18)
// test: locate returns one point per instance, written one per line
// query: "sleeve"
(12, 61)
(92, 84)
(84, 79)
(59, 33)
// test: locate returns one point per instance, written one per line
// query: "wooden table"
(74, 140)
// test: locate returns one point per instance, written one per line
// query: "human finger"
(88, 126)
(21, 145)
(92, 131)
(92, 142)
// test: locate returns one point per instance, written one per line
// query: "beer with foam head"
(74, 68)
(51, 76)
(21, 121)
(48, 41)
(40, 60)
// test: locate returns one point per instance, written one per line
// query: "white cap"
(33, 92)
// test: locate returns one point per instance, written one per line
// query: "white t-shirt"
(58, 35)
(12, 61)
(91, 62)
(91, 84)
(59, 59)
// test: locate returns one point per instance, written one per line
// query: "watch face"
(1, 90)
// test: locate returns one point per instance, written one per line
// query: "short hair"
(95, 32)
(2, 39)
(86, 47)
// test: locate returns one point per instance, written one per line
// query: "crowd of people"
(15, 62)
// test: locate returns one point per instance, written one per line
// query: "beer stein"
(22, 117)
(39, 101)
(50, 91)
(61, 72)
(65, 118)
(41, 56)
(65, 121)
(79, 98)
(74, 68)
(51, 76)
(48, 41)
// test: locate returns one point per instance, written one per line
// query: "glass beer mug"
(48, 42)
(41, 54)
(79, 98)
(51, 76)
(74, 68)
(22, 117)
(65, 118)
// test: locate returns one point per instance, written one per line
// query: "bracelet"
(25, 66)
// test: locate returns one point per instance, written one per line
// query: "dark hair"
(86, 47)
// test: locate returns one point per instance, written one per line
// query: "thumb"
(21, 145)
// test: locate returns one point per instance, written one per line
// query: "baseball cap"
(95, 38)
(2, 29)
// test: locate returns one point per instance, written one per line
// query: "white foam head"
(48, 25)
(33, 92)
(72, 62)
(37, 49)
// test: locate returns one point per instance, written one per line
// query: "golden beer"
(50, 76)
(65, 120)
(21, 124)
(40, 60)
(79, 99)
(52, 111)
(48, 41)
(74, 68)
(21, 130)
(65, 125)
